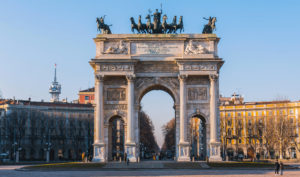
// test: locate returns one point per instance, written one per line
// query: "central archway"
(154, 93)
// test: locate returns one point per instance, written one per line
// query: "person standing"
(281, 168)
(276, 167)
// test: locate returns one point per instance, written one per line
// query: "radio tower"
(55, 89)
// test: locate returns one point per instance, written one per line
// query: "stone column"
(99, 145)
(183, 145)
(214, 140)
(130, 140)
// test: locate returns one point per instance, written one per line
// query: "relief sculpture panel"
(116, 94)
(197, 93)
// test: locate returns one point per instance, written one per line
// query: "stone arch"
(168, 85)
(199, 114)
(113, 114)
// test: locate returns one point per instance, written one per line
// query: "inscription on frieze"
(199, 67)
(197, 93)
(116, 94)
(154, 48)
(112, 67)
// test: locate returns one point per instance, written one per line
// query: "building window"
(228, 114)
(239, 132)
(249, 113)
(291, 112)
(250, 132)
(260, 121)
(249, 122)
(240, 122)
(86, 97)
(270, 113)
(240, 141)
(229, 122)
(239, 114)
(229, 132)
(291, 120)
(259, 113)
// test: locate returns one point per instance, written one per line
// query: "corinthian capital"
(99, 78)
(213, 77)
(130, 78)
(182, 77)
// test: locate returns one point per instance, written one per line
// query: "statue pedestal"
(215, 151)
(184, 152)
(131, 152)
(99, 153)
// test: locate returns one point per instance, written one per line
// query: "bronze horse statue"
(180, 24)
(102, 27)
(149, 25)
(133, 25)
(210, 26)
(140, 26)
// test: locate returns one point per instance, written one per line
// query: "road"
(10, 171)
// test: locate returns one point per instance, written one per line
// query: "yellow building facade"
(259, 130)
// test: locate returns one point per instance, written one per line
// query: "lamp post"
(47, 149)
(16, 151)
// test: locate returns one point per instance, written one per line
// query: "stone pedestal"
(214, 152)
(184, 152)
(131, 152)
(99, 153)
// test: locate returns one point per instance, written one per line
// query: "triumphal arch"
(127, 66)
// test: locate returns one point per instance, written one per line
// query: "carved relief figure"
(116, 94)
(120, 49)
(192, 49)
(197, 93)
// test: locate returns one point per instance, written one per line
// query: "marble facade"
(127, 66)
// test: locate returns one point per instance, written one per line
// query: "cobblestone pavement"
(9, 171)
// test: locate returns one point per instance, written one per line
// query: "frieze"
(198, 80)
(116, 67)
(115, 107)
(199, 67)
(164, 67)
(116, 94)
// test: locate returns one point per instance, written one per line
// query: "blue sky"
(259, 43)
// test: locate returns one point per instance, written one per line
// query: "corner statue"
(101, 26)
(158, 26)
(210, 26)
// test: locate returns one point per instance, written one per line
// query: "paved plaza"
(12, 171)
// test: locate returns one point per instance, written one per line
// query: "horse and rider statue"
(157, 27)
(210, 26)
(102, 27)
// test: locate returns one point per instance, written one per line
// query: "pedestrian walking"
(128, 161)
(277, 167)
(281, 168)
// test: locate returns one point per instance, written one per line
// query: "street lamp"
(47, 148)
(16, 151)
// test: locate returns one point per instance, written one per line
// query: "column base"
(131, 152)
(215, 151)
(99, 153)
(184, 152)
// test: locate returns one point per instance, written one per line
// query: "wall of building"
(33, 128)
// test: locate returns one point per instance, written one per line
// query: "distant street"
(9, 171)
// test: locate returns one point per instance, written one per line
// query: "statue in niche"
(192, 49)
(120, 49)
